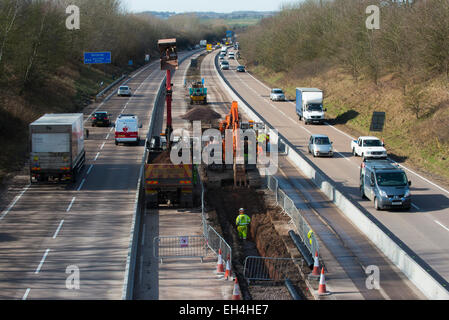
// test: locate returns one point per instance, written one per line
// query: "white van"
(127, 129)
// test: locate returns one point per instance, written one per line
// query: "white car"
(368, 147)
(231, 55)
(127, 129)
(277, 95)
(124, 91)
(224, 65)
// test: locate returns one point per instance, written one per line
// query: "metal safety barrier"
(180, 247)
(289, 208)
(216, 242)
(272, 269)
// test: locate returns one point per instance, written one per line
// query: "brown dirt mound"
(201, 113)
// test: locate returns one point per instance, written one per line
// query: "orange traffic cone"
(316, 267)
(228, 268)
(220, 267)
(236, 291)
(322, 288)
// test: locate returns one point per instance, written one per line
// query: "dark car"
(240, 69)
(101, 118)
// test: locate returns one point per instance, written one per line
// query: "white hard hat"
(242, 210)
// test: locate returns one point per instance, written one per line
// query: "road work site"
(174, 225)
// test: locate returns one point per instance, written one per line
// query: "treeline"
(412, 42)
(35, 42)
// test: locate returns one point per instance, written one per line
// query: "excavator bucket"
(169, 54)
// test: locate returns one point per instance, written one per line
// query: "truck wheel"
(353, 152)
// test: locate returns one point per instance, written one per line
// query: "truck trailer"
(165, 182)
(56, 144)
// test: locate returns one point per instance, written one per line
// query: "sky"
(221, 6)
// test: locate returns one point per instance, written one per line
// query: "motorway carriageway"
(346, 251)
(49, 230)
(425, 229)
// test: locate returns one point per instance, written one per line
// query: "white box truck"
(309, 105)
(56, 147)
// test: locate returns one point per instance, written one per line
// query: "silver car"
(124, 91)
(320, 145)
(277, 95)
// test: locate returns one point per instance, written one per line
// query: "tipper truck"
(165, 182)
(309, 105)
(57, 147)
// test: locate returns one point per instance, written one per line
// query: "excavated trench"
(222, 205)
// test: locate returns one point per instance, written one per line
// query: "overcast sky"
(203, 5)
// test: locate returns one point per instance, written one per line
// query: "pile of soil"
(163, 157)
(201, 113)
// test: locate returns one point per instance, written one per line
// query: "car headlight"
(407, 194)
(383, 193)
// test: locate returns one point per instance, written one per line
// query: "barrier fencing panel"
(180, 247)
(216, 242)
(288, 206)
(272, 269)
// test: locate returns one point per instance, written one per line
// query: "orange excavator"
(232, 121)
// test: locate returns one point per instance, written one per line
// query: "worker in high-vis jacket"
(310, 235)
(242, 222)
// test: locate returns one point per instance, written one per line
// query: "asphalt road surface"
(425, 229)
(52, 233)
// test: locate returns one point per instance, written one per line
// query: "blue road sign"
(229, 34)
(97, 57)
(130, 62)
(202, 81)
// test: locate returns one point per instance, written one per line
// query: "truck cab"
(309, 105)
(386, 184)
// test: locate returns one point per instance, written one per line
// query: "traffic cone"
(228, 268)
(316, 267)
(220, 267)
(322, 288)
(236, 291)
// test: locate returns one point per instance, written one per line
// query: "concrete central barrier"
(423, 276)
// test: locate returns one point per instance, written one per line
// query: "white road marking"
(81, 185)
(112, 128)
(102, 146)
(57, 230)
(90, 169)
(442, 225)
(107, 137)
(25, 296)
(415, 206)
(96, 157)
(71, 204)
(14, 202)
(342, 155)
(42, 262)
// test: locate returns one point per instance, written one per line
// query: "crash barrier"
(423, 276)
(139, 205)
(179, 247)
(291, 289)
(271, 269)
(294, 214)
